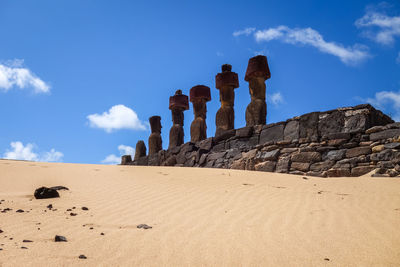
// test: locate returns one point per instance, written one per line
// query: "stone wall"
(342, 142)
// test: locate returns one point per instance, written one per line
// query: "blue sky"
(79, 79)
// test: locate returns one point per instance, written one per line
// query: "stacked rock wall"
(342, 142)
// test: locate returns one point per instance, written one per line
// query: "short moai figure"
(126, 159)
(256, 74)
(140, 150)
(199, 96)
(155, 142)
(226, 82)
(178, 103)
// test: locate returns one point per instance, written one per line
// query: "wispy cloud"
(308, 36)
(116, 118)
(398, 58)
(14, 75)
(388, 101)
(246, 32)
(275, 98)
(123, 150)
(379, 26)
(20, 151)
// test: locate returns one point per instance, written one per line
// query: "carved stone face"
(177, 116)
(200, 108)
(155, 126)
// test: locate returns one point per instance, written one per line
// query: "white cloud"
(52, 155)
(116, 118)
(20, 152)
(387, 100)
(246, 32)
(111, 159)
(380, 27)
(123, 150)
(308, 36)
(126, 150)
(275, 98)
(12, 75)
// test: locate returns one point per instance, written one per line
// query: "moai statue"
(199, 96)
(140, 150)
(155, 142)
(226, 82)
(256, 74)
(177, 104)
(126, 159)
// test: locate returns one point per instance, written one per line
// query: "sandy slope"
(199, 217)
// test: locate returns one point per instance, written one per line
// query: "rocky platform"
(349, 141)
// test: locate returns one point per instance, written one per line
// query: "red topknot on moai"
(199, 96)
(155, 142)
(256, 74)
(226, 82)
(178, 103)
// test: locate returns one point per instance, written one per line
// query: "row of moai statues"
(226, 82)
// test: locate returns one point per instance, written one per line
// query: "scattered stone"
(326, 259)
(305, 178)
(44, 192)
(1, 231)
(60, 238)
(101, 233)
(50, 206)
(73, 214)
(19, 211)
(26, 241)
(85, 208)
(144, 226)
(82, 257)
(24, 248)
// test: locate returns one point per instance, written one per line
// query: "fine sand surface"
(199, 217)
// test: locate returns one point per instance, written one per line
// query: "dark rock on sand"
(19, 211)
(60, 238)
(27, 241)
(44, 192)
(82, 256)
(24, 247)
(50, 206)
(144, 226)
(85, 208)
(73, 214)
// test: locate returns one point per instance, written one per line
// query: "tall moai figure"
(140, 150)
(226, 82)
(199, 96)
(178, 103)
(256, 74)
(155, 142)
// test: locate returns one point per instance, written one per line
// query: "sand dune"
(199, 217)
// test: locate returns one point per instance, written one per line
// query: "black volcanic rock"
(82, 257)
(60, 238)
(44, 192)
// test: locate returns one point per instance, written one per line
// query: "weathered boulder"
(331, 123)
(358, 151)
(300, 166)
(272, 133)
(266, 166)
(44, 192)
(309, 157)
(291, 131)
(390, 133)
